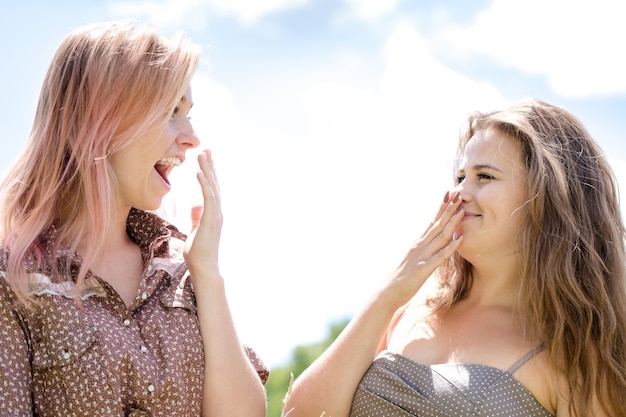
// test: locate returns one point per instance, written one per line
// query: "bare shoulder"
(541, 378)
(550, 387)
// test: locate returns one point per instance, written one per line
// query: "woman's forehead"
(491, 147)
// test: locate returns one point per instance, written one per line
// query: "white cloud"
(412, 79)
(578, 45)
(169, 13)
(251, 11)
(371, 9)
(192, 13)
(416, 82)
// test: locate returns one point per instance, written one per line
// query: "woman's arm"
(232, 386)
(328, 385)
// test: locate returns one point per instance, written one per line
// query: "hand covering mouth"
(164, 166)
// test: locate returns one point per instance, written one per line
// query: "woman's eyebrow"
(478, 167)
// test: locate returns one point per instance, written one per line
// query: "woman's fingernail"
(446, 198)
(456, 197)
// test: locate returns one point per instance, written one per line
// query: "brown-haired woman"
(512, 303)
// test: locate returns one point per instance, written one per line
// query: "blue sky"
(333, 123)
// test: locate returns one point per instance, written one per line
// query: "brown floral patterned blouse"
(106, 359)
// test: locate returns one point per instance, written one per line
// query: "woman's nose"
(463, 192)
(188, 138)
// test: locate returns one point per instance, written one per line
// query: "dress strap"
(525, 358)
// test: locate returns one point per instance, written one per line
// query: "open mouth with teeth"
(164, 166)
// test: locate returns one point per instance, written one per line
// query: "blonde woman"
(512, 303)
(105, 308)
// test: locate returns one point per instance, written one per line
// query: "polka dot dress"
(395, 385)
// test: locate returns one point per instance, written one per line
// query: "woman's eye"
(459, 179)
(484, 176)
(175, 111)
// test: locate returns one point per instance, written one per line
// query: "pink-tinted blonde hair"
(106, 85)
(572, 293)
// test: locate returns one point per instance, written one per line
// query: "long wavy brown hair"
(106, 85)
(572, 295)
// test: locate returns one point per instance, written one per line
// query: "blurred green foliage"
(302, 356)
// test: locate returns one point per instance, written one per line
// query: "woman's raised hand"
(433, 248)
(202, 247)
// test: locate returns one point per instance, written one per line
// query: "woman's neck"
(116, 236)
(494, 285)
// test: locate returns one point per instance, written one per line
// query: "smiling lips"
(469, 216)
(165, 166)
